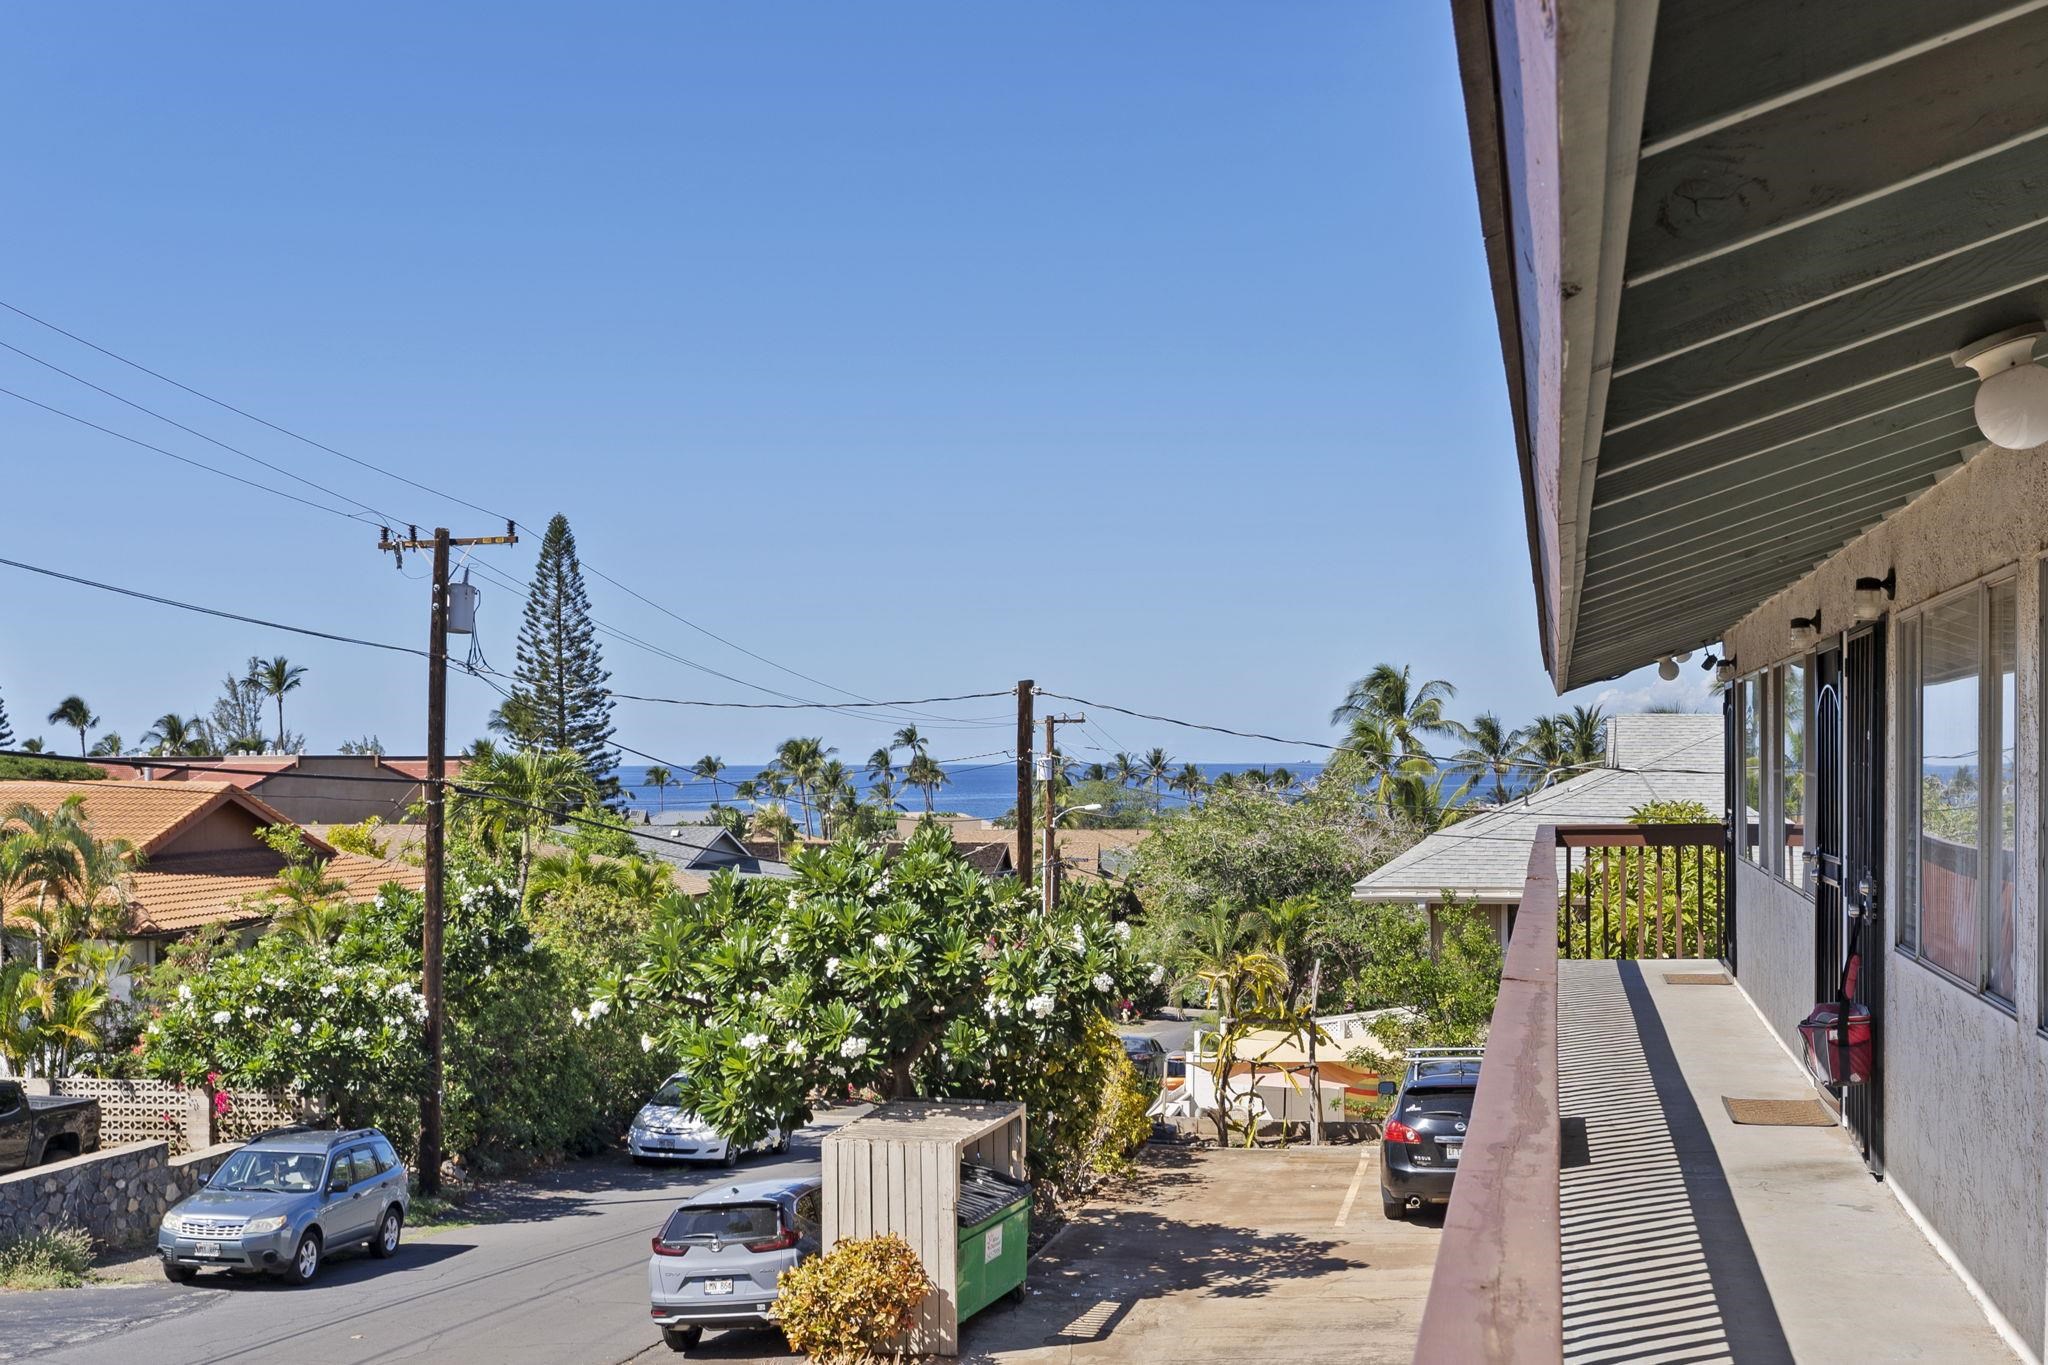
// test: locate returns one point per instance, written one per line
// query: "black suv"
(1423, 1136)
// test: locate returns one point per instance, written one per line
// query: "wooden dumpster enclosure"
(897, 1169)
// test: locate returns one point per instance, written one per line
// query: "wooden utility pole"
(1051, 888)
(1025, 689)
(433, 918)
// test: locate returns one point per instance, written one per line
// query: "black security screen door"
(1824, 825)
(1863, 861)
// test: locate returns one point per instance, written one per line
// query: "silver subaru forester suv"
(286, 1201)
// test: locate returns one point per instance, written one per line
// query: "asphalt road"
(559, 1280)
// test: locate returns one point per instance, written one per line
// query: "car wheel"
(731, 1158)
(305, 1262)
(782, 1144)
(180, 1274)
(385, 1243)
(1392, 1207)
(682, 1338)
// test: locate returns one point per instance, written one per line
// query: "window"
(1958, 854)
(1749, 820)
(386, 1158)
(1791, 774)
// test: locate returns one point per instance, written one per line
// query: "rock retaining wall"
(117, 1195)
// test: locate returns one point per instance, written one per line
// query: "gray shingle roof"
(1486, 857)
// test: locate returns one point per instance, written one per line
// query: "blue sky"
(1144, 349)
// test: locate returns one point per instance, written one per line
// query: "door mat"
(1695, 978)
(1780, 1113)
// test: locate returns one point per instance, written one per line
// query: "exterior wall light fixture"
(1722, 669)
(2012, 391)
(1873, 593)
(1807, 627)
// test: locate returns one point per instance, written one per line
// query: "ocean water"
(987, 790)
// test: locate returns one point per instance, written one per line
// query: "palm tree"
(32, 745)
(1547, 744)
(1126, 770)
(535, 789)
(801, 758)
(1189, 782)
(927, 776)
(1586, 727)
(277, 677)
(1491, 747)
(171, 734)
(881, 764)
(708, 768)
(1157, 767)
(44, 850)
(108, 745)
(660, 779)
(1289, 930)
(74, 713)
(833, 783)
(908, 738)
(1408, 711)
(774, 822)
(1095, 772)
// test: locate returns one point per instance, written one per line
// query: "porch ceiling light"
(2012, 393)
(1873, 593)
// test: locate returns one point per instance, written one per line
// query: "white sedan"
(665, 1131)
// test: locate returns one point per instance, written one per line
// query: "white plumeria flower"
(1040, 1005)
(184, 992)
(295, 1028)
(647, 1042)
(329, 989)
(853, 1048)
(831, 967)
(1156, 975)
(794, 1047)
(1103, 982)
(576, 1014)
(1123, 931)
(754, 1042)
(882, 942)
(599, 1008)
(221, 1016)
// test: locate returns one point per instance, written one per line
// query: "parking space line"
(1357, 1179)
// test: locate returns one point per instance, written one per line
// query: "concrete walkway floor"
(1689, 1238)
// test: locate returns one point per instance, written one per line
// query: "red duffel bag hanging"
(1837, 1032)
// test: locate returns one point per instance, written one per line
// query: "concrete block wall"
(117, 1195)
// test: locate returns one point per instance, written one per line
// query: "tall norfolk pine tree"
(6, 730)
(559, 698)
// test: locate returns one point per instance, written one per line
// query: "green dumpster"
(994, 1213)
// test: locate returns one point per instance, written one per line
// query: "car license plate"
(207, 1249)
(718, 1286)
(1452, 1150)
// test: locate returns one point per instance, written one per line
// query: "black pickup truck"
(35, 1129)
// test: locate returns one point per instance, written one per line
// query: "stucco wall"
(1966, 1082)
(1774, 948)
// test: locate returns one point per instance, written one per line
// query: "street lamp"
(1048, 875)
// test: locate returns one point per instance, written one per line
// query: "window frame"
(1774, 771)
(1758, 852)
(1909, 764)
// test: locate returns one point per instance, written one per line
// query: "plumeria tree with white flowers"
(916, 976)
(340, 1022)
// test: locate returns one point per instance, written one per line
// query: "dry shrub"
(848, 1305)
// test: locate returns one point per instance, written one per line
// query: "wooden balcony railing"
(1497, 1295)
(1634, 891)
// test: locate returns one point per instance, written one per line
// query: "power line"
(212, 611)
(185, 459)
(388, 473)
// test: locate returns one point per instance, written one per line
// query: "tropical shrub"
(914, 977)
(853, 1302)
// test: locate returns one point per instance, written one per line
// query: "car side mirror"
(338, 1185)
(1389, 1088)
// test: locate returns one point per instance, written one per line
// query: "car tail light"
(1397, 1131)
(782, 1241)
(662, 1248)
